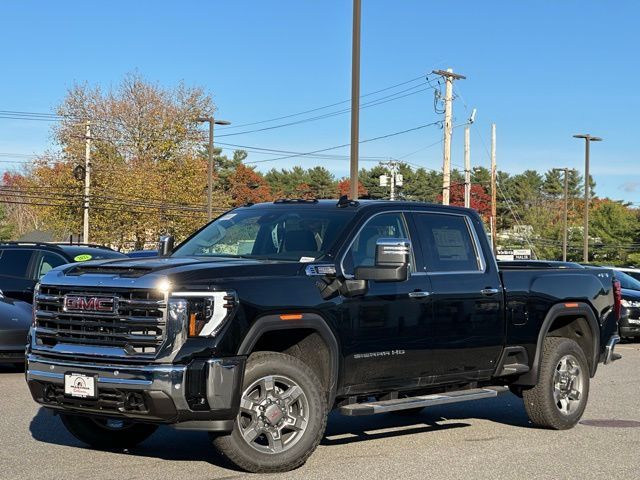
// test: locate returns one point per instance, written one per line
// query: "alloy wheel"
(568, 384)
(274, 413)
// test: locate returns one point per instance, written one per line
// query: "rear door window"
(15, 262)
(447, 243)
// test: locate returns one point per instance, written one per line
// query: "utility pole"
(449, 77)
(211, 122)
(494, 228)
(355, 99)
(394, 180)
(467, 167)
(87, 182)
(587, 185)
(566, 209)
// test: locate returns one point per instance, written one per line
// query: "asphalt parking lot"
(483, 439)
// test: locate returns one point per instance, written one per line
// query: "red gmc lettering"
(90, 304)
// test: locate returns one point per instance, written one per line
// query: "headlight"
(630, 303)
(204, 313)
(34, 304)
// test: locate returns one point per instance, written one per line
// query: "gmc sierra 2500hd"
(272, 315)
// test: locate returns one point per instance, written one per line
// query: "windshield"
(627, 281)
(82, 254)
(281, 233)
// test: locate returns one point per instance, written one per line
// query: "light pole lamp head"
(222, 122)
(588, 137)
(204, 119)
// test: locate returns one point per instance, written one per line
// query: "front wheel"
(107, 433)
(560, 396)
(282, 418)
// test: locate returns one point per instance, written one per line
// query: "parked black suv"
(22, 263)
(274, 314)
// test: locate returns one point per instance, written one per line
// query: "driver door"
(383, 329)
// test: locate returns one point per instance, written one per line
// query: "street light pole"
(211, 122)
(566, 209)
(87, 183)
(587, 185)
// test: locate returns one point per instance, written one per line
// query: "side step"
(385, 406)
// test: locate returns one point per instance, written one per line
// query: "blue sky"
(541, 71)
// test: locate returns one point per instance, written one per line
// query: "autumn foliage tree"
(344, 188)
(148, 176)
(480, 200)
(247, 186)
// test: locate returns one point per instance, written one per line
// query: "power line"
(373, 103)
(283, 117)
(419, 127)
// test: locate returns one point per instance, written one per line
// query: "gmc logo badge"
(81, 303)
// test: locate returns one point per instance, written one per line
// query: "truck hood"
(180, 271)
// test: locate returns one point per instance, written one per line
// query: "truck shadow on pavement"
(166, 443)
(170, 444)
(506, 409)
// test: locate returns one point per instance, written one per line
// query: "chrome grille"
(138, 324)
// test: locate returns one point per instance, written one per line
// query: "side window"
(48, 261)
(362, 252)
(447, 243)
(15, 262)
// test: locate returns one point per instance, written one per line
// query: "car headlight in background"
(34, 304)
(630, 303)
(203, 313)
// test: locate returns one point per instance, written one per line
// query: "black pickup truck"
(272, 315)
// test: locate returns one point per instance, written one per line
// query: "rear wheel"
(283, 414)
(107, 433)
(560, 397)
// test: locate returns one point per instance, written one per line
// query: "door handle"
(419, 294)
(489, 291)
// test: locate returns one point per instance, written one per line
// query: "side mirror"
(391, 264)
(165, 245)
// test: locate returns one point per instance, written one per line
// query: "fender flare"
(556, 311)
(311, 321)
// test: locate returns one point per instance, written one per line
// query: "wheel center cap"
(273, 414)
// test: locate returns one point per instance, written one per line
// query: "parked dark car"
(631, 271)
(630, 321)
(15, 321)
(23, 264)
(142, 253)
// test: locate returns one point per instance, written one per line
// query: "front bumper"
(12, 345)
(630, 324)
(201, 395)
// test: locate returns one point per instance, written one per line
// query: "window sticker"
(450, 244)
(82, 258)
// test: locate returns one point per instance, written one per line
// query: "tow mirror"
(165, 245)
(391, 263)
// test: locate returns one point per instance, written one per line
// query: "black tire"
(97, 432)
(249, 455)
(539, 401)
